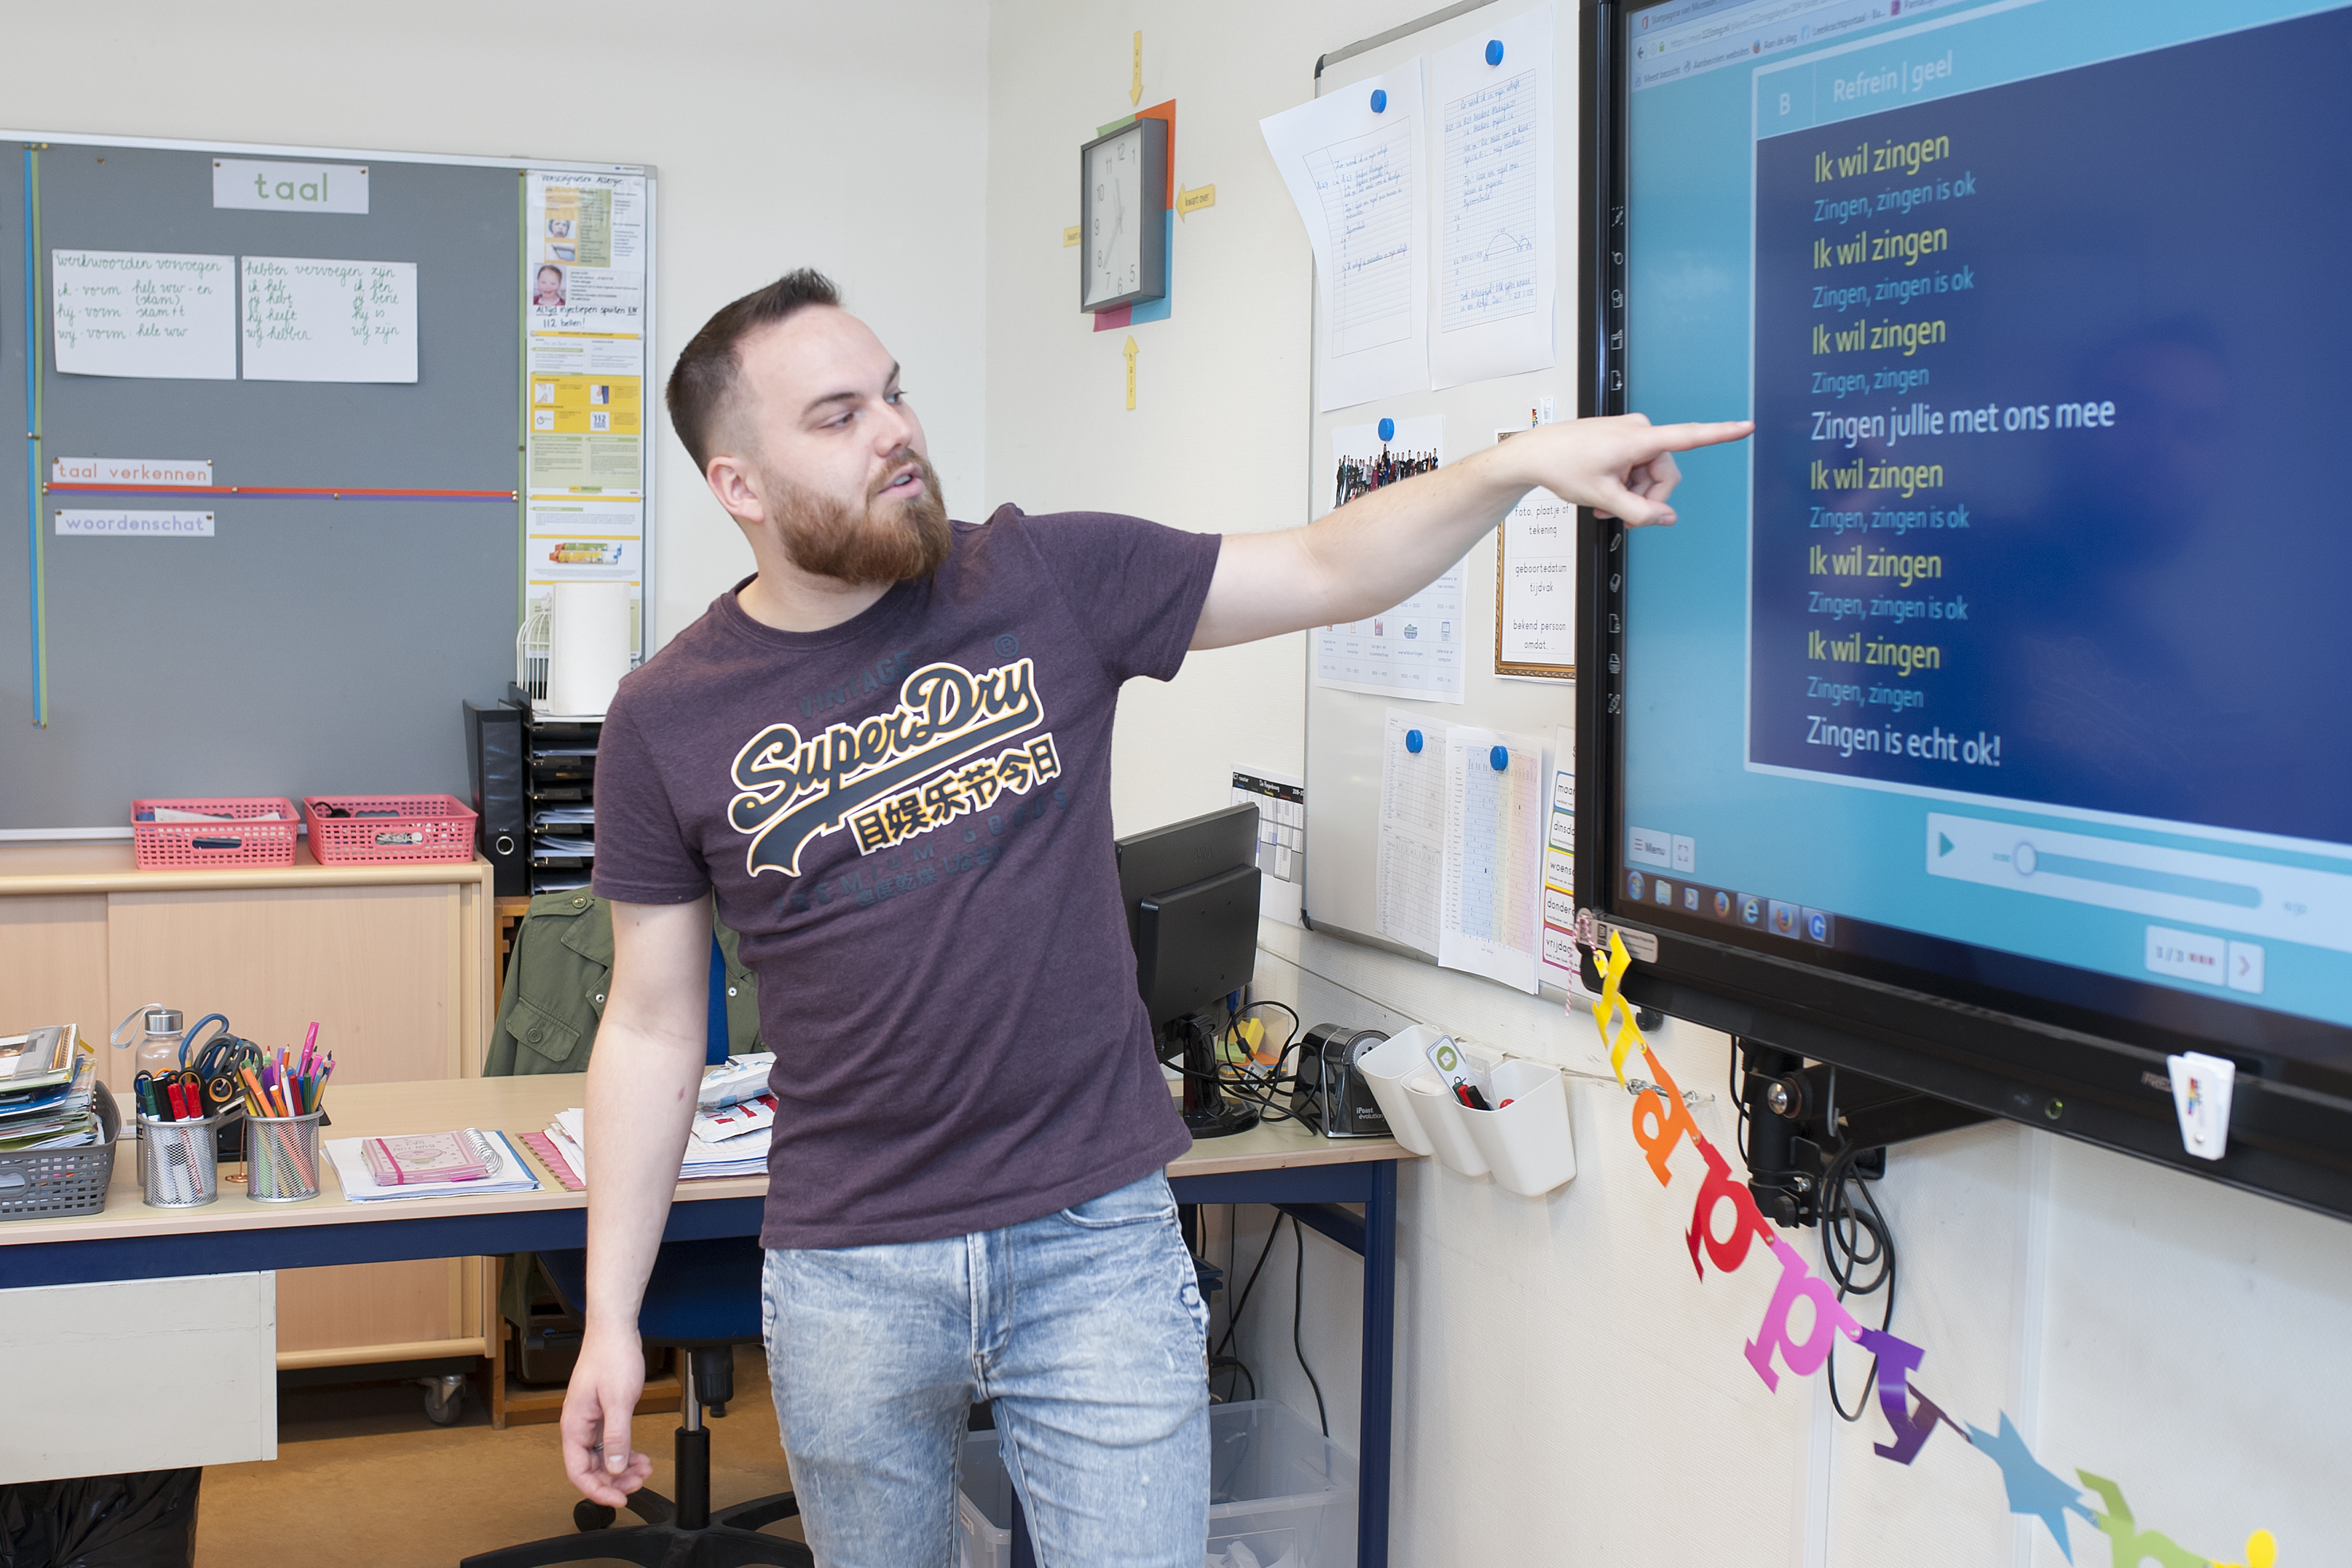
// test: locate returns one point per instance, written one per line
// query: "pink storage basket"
(180, 845)
(421, 827)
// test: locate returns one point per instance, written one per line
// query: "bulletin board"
(1345, 729)
(353, 565)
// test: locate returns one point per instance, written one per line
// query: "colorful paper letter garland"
(1662, 1120)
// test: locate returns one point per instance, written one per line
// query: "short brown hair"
(703, 380)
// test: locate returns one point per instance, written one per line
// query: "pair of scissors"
(188, 1040)
(216, 1067)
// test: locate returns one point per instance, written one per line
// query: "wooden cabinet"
(395, 963)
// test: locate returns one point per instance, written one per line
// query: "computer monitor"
(1190, 892)
(1982, 726)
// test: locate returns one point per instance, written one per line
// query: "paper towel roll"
(588, 645)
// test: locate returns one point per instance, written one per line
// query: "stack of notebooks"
(48, 1084)
(429, 1165)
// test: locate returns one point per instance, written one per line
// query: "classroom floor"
(363, 1477)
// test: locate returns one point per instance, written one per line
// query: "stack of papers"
(744, 1153)
(754, 1115)
(48, 1084)
(508, 1172)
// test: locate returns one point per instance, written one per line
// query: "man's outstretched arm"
(1382, 548)
(642, 1085)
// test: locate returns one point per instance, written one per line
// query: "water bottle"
(157, 1051)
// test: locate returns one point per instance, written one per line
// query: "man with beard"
(887, 754)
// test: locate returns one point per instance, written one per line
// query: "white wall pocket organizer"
(1448, 1121)
(1386, 1066)
(1527, 1142)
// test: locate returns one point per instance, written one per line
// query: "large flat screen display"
(2010, 662)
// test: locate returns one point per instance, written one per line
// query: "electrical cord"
(1297, 1026)
(1234, 1318)
(1227, 1364)
(1297, 1308)
(1857, 1243)
(1854, 1241)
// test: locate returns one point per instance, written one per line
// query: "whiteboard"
(1344, 727)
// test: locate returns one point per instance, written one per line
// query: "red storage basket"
(180, 845)
(421, 827)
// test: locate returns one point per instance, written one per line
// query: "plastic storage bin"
(241, 841)
(1279, 1491)
(418, 827)
(1526, 1142)
(50, 1183)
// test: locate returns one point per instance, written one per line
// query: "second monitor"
(1190, 892)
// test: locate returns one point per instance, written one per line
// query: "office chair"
(703, 1301)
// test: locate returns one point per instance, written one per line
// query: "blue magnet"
(1500, 755)
(1388, 429)
(1494, 51)
(1379, 100)
(1413, 741)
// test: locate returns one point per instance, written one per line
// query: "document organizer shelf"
(422, 828)
(172, 845)
(50, 1183)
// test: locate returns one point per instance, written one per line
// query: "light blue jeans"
(1085, 1328)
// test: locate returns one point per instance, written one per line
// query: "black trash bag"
(142, 1521)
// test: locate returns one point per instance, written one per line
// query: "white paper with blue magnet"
(1497, 258)
(1359, 175)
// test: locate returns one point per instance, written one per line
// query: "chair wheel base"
(732, 1540)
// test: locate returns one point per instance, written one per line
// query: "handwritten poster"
(1497, 258)
(143, 313)
(308, 319)
(1353, 163)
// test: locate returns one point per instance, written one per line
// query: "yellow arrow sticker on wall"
(1188, 202)
(1130, 366)
(1070, 236)
(1135, 88)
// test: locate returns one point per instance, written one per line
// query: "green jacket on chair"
(557, 979)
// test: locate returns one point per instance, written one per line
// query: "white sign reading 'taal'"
(290, 187)
(135, 524)
(131, 471)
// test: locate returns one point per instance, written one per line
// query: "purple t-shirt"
(907, 819)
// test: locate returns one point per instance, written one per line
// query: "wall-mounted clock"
(1122, 208)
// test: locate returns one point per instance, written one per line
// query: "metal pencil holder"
(281, 1158)
(176, 1167)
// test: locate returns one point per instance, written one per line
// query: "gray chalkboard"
(312, 646)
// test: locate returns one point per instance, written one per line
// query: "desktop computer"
(1190, 892)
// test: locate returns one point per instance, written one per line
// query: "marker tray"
(52, 1184)
(421, 827)
(177, 846)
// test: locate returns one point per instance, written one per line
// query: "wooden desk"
(394, 960)
(1307, 1176)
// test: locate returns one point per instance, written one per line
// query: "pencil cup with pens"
(176, 1165)
(275, 1101)
(284, 1102)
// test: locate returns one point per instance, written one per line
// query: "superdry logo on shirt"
(936, 756)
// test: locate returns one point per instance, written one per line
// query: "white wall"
(1217, 440)
(850, 138)
(1567, 1392)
